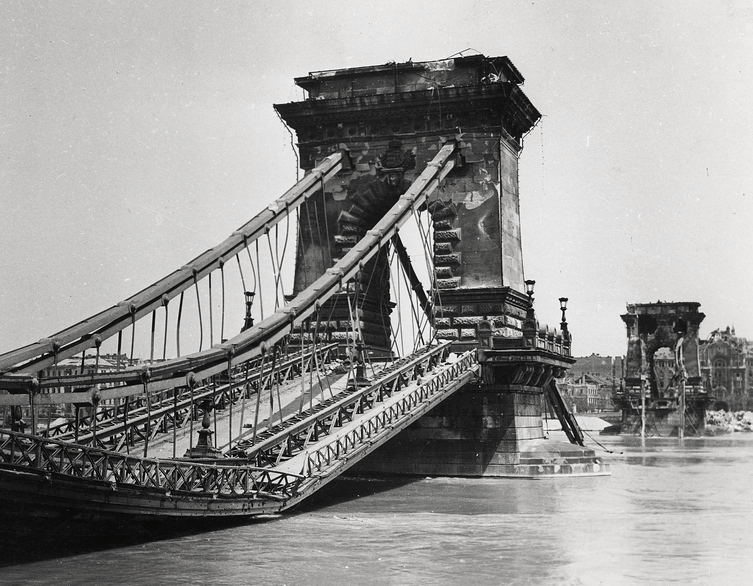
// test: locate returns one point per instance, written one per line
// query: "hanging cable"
(211, 312)
(426, 241)
(222, 326)
(214, 404)
(270, 420)
(258, 392)
(352, 350)
(326, 225)
(240, 268)
(279, 399)
(177, 324)
(399, 331)
(230, 398)
(148, 425)
(315, 357)
(243, 399)
(281, 259)
(198, 304)
(303, 370)
(165, 301)
(325, 264)
(175, 421)
(133, 332)
(191, 384)
(151, 346)
(418, 337)
(261, 289)
(275, 273)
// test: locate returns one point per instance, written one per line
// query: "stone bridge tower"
(662, 340)
(391, 120)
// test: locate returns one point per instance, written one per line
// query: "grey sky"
(136, 135)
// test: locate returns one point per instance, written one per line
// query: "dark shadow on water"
(349, 488)
(30, 541)
(26, 540)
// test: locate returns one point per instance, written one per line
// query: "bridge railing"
(552, 341)
(31, 453)
(284, 443)
(387, 417)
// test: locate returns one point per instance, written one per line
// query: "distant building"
(606, 367)
(727, 370)
(591, 382)
(75, 366)
(587, 392)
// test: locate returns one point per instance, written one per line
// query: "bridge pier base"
(489, 428)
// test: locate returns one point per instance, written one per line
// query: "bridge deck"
(283, 463)
(298, 456)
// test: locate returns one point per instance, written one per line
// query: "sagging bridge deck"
(81, 466)
(289, 463)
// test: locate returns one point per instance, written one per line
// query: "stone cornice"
(524, 356)
(501, 105)
(481, 64)
(486, 295)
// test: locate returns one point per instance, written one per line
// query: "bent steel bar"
(81, 336)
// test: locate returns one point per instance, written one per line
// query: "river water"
(670, 513)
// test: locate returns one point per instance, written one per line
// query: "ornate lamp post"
(204, 448)
(529, 291)
(249, 320)
(563, 308)
(563, 324)
(529, 326)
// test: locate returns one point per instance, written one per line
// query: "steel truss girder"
(297, 437)
(381, 424)
(168, 412)
(61, 459)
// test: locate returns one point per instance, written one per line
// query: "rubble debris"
(726, 422)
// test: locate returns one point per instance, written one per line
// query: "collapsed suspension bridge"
(363, 347)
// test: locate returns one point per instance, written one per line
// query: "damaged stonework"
(655, 330)
(391, 120)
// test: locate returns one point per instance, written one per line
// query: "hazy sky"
(135, 135)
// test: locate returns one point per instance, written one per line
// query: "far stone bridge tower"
(663, 345)
(391, 120)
